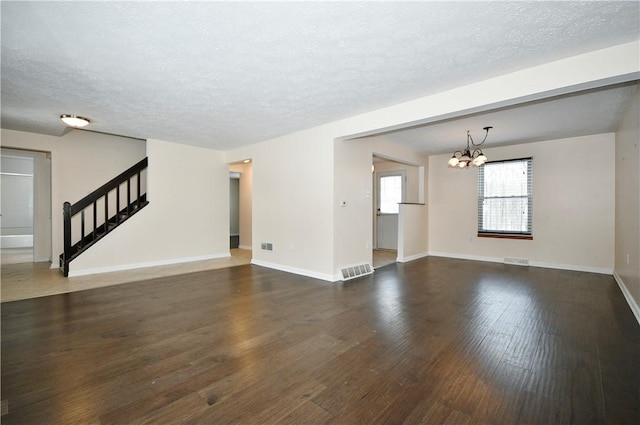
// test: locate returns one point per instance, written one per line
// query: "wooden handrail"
(108, 187)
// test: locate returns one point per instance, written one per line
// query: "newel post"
(66, 210)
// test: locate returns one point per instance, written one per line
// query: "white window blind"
(505, 197)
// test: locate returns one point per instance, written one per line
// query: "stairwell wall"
(187, 218)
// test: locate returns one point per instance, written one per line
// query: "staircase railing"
(113, 214)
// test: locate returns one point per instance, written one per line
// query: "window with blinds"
(505, 201)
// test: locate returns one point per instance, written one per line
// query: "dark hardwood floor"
(433, 341)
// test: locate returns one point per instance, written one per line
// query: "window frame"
(506, 234)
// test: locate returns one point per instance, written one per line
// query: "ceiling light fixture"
(74, 120)
(466, 158)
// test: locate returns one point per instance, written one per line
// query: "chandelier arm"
(477, 144)
(486, 129)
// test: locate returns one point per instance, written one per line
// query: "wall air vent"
(266, 246)
(356, 271)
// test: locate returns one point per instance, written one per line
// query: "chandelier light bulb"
(479, 160)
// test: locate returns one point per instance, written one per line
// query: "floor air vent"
(356, 271)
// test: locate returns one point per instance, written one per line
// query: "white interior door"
(390, 192)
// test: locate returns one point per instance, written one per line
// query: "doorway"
(390, 192)
(240, 205)
(25, 219)
(393, 182)
(234, 209)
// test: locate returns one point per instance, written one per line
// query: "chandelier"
(466, 158)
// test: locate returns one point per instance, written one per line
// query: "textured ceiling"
(226, 74)
(578, 114)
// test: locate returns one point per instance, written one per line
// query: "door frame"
(376, 196)
(42, 198)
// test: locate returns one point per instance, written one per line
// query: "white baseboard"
(412, 257)
(295, 270)
(466, 257)
(627, 296)
(572, 267)
(245, 247)
(123, 267)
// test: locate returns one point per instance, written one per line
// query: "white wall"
(413, 227)
(573, 214)
(80, 163)
(292, 197)
(246, 202)
(184, 221)
(42, 208)
(627, 230)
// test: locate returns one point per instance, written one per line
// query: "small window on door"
(390, 194)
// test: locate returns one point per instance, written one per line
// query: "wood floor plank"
(524, 343)
(441, 414)
(537, 409)
(583, 401)
(549, 369)
(500, 404)
(619, 372)
(264, 401)
(431, 341)
(307, 413)
(410, 406)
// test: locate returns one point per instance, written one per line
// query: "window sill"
(505, 236)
